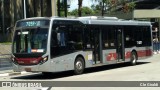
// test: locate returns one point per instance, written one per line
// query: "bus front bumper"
(32, 68)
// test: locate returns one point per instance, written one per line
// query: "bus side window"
(54, 39)
(54, 44)
(75, 38)
(108, 37)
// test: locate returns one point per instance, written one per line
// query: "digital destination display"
(32, 23)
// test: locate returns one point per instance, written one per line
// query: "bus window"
(129, 36)
(65, 39)
(108, 37)
(143, 36)
(88, 38)
(32, 40)
(146, 36)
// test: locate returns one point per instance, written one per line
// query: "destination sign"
(32, 23)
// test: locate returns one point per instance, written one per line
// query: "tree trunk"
(80, 8)
(58, 9)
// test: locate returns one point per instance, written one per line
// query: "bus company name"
(20, 84)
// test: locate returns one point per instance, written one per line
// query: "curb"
(12, 73)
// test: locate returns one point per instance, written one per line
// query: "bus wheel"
(79, 65)
(133, 58)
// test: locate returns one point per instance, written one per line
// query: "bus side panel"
(144, 52)
(62, 63)
(128, 54)
(88, 55)
(109, 56)
(66, 62)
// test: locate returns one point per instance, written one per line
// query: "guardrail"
(156, 47)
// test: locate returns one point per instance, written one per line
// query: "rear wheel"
(79, 65)
(133, 58)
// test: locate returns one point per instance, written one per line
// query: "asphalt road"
(147, 70)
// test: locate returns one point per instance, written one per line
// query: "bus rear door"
(120, 45)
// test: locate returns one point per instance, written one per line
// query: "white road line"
(12, 73)
(4, 74)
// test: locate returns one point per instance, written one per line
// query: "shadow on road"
(40, 76)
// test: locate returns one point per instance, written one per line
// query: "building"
(149, 10)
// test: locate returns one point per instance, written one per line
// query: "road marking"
(4, 74)
(12, 73)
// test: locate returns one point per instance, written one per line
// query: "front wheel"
(79, 65)
(133, 58)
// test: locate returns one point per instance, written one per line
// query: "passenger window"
(108, 37)
(65, 39)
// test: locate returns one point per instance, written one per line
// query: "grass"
(6, 43)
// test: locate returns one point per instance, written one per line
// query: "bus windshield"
(30, 40)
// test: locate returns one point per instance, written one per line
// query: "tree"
(111, 6)
(128, 7)
(74, 12)
(85, 11)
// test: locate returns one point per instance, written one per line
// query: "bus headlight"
(43, 60)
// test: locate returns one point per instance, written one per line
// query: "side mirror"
(9, 29)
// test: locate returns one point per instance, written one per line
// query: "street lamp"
(41, 8)
(102, 4)
(24, 7)
(65, 7)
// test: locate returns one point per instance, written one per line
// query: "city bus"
(54, 44)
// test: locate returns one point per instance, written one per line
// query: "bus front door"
(120, 45)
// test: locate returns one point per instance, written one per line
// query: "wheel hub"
(79, 65)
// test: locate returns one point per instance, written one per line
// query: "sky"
(74, 4)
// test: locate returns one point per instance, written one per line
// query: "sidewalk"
(10, 72)
(5, 56)
(5, 61)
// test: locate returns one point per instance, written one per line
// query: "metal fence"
(156, 47)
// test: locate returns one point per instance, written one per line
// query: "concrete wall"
(146, 13)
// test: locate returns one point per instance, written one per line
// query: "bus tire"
(133, 58)
(47, 73)
(79, 65)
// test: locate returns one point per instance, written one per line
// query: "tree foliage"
(85, 11)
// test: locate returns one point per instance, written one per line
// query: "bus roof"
(111, 21)
(95, 20)
(98, 20)
(35, 18)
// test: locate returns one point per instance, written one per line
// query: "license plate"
(28, 69)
